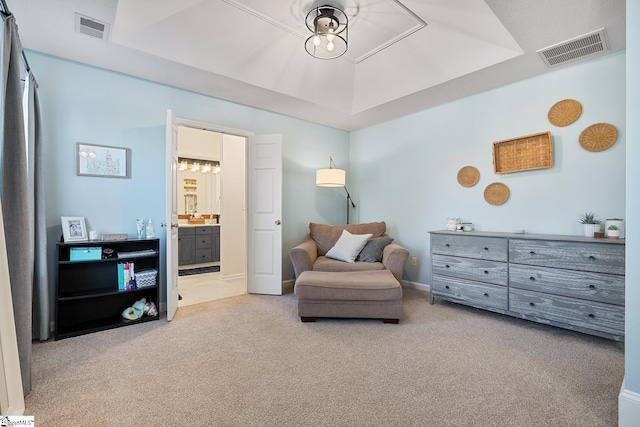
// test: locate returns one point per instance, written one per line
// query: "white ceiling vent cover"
(91, 27)
(576, 48)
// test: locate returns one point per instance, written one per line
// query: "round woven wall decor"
(496, 193)
(468, 176)
(598, 137)
(565, 112)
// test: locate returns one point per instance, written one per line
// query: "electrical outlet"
(414, 261)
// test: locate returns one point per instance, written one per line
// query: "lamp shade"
(330, 177)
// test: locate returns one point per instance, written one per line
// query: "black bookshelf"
(87, 297)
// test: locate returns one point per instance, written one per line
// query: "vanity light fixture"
(198, 165)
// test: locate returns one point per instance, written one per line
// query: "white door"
(172, 215)
(264, 230)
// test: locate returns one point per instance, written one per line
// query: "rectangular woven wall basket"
(524, 153)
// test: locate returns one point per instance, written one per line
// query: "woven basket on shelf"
(598, 137)
(468, 176)
(564, 112)
(496, 193)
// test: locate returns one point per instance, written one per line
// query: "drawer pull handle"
(532, 304)
(446, 244)
(532, 253)
(592, 257)
(486, 249)
(486, 272)
(592, 287)
(532, 278)
(591, 315)
(486, 294)
(446, 265)
(446, 287)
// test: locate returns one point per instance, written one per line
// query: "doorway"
(211, 179)
(259, 209)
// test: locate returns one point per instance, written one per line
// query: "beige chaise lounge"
(328, 287)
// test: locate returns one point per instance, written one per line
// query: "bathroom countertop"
(198, 225)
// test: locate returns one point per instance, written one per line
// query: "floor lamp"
(334, 177)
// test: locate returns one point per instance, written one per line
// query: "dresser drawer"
(204, 230)
(490, 248)
(186, 231)
(203, 241)
(584, 314)
(600, 287)
(598, 257)
(470, 293)
(471, 269)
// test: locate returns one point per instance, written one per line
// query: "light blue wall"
(405, 170)
(87, 104)
(632, 321)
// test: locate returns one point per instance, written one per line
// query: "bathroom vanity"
(198, 244)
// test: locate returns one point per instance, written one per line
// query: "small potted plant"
(613, 232)
(590, 223)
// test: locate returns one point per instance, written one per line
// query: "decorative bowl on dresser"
(571, 282)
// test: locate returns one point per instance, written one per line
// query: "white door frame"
(177, 121)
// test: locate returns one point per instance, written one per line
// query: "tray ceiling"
(403, 55)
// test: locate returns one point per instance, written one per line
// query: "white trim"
(234, 276)
(415, 285)
(212, 127)
(11, 392)
(628, 408)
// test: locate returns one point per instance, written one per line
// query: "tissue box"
(146, 278)
(85, 254)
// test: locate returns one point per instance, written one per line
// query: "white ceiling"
(404, 56)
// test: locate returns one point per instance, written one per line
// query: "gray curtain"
(21, 196)
(41, 304)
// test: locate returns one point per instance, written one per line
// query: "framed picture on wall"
(102, 160)
(74, 229)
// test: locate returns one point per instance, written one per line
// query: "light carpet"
(249, 361)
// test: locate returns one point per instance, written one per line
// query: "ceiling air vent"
(576, 48)
(91, 27)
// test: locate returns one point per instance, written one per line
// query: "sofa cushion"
(326, 236)
(373, 250)
(327, 264)
(348, 246)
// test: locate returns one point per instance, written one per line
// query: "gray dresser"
(571, 282)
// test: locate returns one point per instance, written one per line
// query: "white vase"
(589, 229)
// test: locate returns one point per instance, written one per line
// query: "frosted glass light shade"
(330, 177)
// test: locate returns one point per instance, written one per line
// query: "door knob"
(278, 222)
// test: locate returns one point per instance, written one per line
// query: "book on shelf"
(133, 254)
(126, 276)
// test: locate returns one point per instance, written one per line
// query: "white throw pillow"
(348, 246)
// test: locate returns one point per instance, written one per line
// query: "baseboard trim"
(233, 276)
(628, 407)
(288, 285)
(415, 285)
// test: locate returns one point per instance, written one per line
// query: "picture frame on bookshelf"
(102, 161)
(74, 229)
